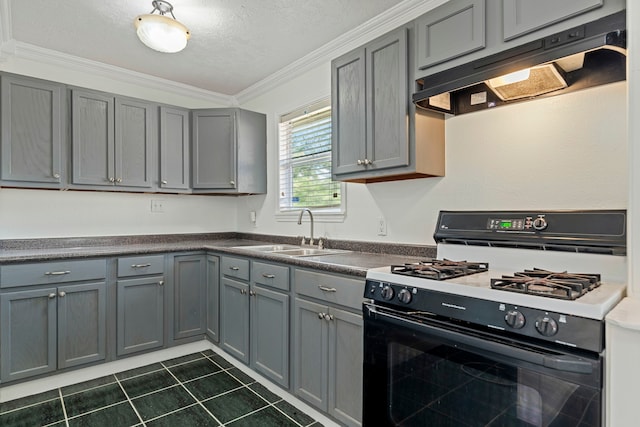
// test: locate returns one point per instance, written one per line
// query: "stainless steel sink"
(308, 252)
(291, 250)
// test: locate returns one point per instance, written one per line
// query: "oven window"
(436, 384)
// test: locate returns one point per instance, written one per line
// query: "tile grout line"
(64, 408)
(130, 402)
(191, 394)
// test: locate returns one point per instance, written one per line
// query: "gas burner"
(440, 269)
(546, 283)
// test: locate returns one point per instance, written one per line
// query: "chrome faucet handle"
(320, 243)
(311, 241)
(303, 241)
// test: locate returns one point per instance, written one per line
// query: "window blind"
(305, 159)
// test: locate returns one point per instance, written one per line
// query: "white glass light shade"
(162, 33)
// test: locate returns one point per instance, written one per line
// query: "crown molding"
(392, 18)
(379, 25)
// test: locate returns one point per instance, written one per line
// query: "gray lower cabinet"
(254, 316)
(113, 141)
(32, 120)
(175, 153)
(189, 295)
(377, 134)
(140, 304)
(213, 298)
(327, 344)
(52, 328)
(229, 149)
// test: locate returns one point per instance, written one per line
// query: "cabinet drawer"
(140, 265)
(330, 288)
(275, 276)
(235, 267)
(51, 272)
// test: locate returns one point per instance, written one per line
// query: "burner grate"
(440, 269)
(563, 285)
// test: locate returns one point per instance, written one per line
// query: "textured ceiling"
(234, 43)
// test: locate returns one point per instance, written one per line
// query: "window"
(305, 161)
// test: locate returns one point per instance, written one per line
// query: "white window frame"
(332, 214)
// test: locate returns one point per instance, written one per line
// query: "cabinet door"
(190, 304)
(270, 334)
(82, 319)
(134, 124)
(348, 122)
(92, 117)
(214, 149)
(454, 29)
(140, 314)
(310, 353)
(234, 318)
(174, 149)
(523, 16)
(32, 131)
(28, 333)
(345, 366)
(213, 297)
(387, 101)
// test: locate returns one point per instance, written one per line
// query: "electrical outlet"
(157, 206)
(382, 227)
(252, 216)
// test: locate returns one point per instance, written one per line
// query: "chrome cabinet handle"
(252, 293)
(328, 317)
(359, 162)
(268, 276)
(52, 295)
(57, 273)
(140, 265)
(243, 292)
(56, 175)
(368, 162)
(118, 180)
(161, 282)
(164, 182)
(111, 179)
(232, 182)
(326, 289)
(320, 315)
(62, 293)
(234, 268)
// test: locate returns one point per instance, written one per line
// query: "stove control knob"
(515, 319)
(547, 326)
(387, 292)
(405, 296)
(540, 223)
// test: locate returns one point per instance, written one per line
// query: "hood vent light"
(539, 68)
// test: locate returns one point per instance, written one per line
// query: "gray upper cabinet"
(449, 31)
(33, 133)
(228, 151)
(377, 134)
(189, 300)
(112, 141)
(523, 16)
(174, 150)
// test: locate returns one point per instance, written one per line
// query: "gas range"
(499, 248)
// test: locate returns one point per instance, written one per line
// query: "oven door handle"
(565, 363)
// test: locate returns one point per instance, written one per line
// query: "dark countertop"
(354, 263)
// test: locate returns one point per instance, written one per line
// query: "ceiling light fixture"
(159, 32)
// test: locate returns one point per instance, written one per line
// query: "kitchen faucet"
(310, 221)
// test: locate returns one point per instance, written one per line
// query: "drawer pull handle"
(56, 273)
(326, 289)
(243, 292)
(252, 293)
(234, 268)
(52, 295)
(328, 317)
(62, 293)
(161, 282)
(140, 265)
(320, 315)
(268, 276)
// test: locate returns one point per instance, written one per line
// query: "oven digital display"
(506, 224)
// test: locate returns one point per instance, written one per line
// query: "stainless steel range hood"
(585, 56)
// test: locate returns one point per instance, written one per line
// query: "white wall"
(566, 152)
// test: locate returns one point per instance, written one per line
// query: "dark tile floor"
(201, 389)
